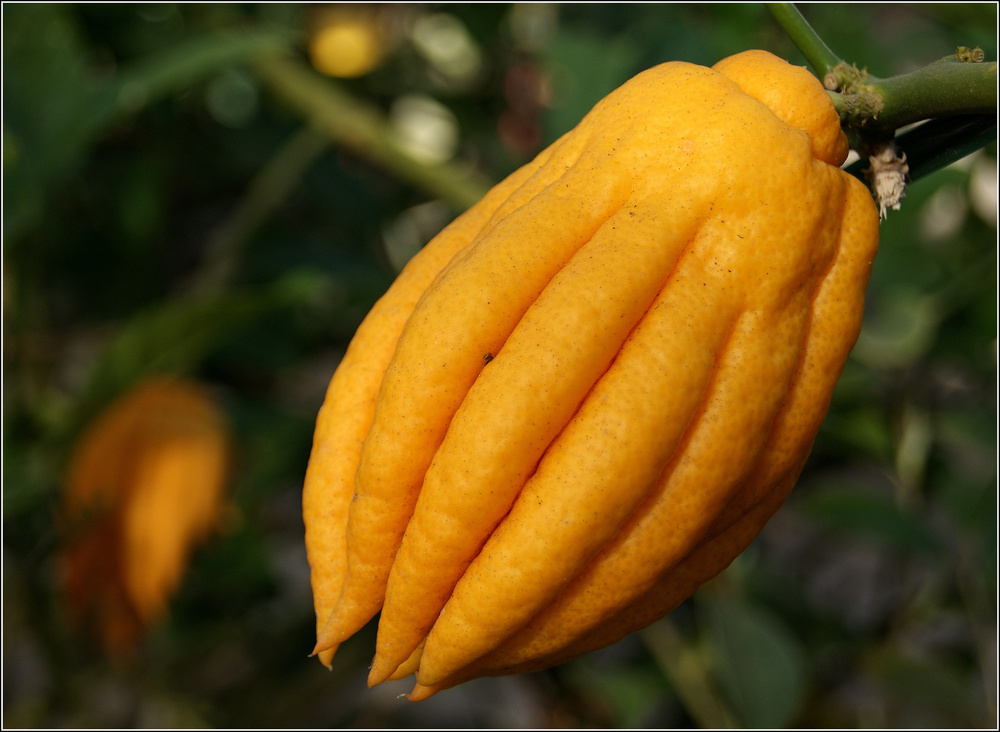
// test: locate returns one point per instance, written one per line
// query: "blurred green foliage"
(167, 207)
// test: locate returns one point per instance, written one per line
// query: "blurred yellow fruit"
(144, 484)
(346, 45)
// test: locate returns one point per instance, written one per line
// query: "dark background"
(166, 208)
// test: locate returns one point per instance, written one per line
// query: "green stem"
(872, 109)
(943, 88)
(817, 53)
(364, 130)
(267, 191)
(687, 671)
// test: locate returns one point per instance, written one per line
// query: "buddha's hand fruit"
(144, 485)
(585, 397)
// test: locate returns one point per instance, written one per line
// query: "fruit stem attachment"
(957, 94)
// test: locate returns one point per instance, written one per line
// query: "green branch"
(687, 669)
(943, 88)
(817, 53)
(269, 188)
(961, 84)
(362, 129)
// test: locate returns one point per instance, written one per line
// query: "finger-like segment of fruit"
(512, 413)
(709, 558)
(94, 482)
(409, 666)
(179, 487)
(349, 405)
(466, 313)
(833, 330)
(629, 426)
(834, 324)
(792, 93)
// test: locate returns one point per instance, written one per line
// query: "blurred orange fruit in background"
(143, 485)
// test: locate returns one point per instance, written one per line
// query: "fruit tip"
(377, 672)
(323, 659)
(325, 655)
(421, 692)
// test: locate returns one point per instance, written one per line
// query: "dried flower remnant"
(887, 174)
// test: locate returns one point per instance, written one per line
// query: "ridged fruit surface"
(586, 397)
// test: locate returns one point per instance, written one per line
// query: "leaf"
(758, 663)
(631, 692)
(58, 108)
(572, 51)
(861, 428)
(173, 337)
(932, 684)
(899, 330)
(869, 514)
